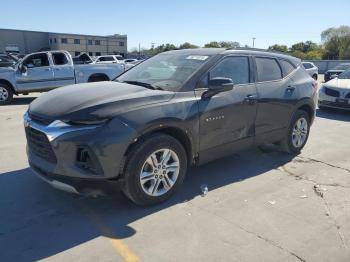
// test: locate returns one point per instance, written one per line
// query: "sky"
(178, 21)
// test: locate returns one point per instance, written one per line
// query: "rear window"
(59, 59)
(106, 58)
(268, 69)
(307, 65)
(287, 67)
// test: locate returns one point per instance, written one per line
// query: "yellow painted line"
(123, 250)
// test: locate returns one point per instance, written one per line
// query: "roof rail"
(256, 49)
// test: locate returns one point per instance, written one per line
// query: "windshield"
(342, 67)
(345, 75)
(167, 71)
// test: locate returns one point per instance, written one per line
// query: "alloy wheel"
(4, 94)
(300, 132)
(159, 172)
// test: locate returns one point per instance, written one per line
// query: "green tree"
(279, 48)
(212, 44)
(187, 45)
(222, 44)
(336, 42)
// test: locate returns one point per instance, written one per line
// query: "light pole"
(253, 41)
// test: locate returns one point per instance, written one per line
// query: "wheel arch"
(308, 109)
(98, 75)
(9, 84)
(176, 132)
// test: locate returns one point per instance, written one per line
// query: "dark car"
(174, 110)
(333, 73)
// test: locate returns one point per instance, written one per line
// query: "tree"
(279, 48)
(212, 44)
(336, 42)
(187, 45)
(222, 44)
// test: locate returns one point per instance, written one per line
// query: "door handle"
(48, 69)
(290, 89)
(251, 99)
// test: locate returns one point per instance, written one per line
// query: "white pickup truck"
(43, 71)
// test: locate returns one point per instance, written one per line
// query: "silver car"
(336, 92)
(311, 69)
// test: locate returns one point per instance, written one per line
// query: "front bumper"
(332, 102)
(75, 185)
(105, 146)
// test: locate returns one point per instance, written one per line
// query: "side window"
(268, 69)
(37, 60)
(108, 58)
(307, 65)
(236, 68)
(59, 59)
(287, 67)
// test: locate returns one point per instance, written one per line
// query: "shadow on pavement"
(37, 221)
(334, 114)
(21, 101)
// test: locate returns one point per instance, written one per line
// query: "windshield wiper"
(138, 83)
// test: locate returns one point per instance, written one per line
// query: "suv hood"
(338, 83)
(93, 101)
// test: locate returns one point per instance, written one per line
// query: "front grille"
(39, 144)
(331, 92)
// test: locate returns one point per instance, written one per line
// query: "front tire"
(6, 94)
(298, 133)
(315, 77)
(154, 169)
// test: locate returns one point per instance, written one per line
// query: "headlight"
(86, 122)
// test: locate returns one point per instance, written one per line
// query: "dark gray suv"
(174, 110)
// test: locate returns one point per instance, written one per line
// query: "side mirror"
(22, 68)
(218, 85)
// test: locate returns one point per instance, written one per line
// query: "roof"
(245, 51)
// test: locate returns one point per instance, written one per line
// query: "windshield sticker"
(197, 57)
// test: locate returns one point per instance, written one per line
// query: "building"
(24, 42)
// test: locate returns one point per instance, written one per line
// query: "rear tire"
(150, 173)
(298, 133)
(6, 94)
(315, 76)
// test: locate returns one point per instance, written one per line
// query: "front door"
(38, 74)
(227, 119)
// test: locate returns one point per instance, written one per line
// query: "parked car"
(108, 59)
(311, 69)
(6, 60)
(43, 71)
(130, 60)
(333, 73)
(174, 110)
(336, 92)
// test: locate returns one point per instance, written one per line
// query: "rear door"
(277, 95)
(63, 69)
(227, 119)
(39, 73)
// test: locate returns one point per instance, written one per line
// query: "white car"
(336, 92)
(311, 69)
(109, 59)
(130, 60)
